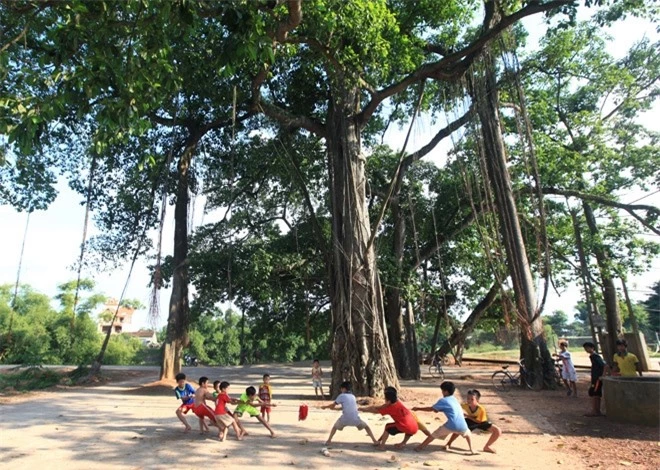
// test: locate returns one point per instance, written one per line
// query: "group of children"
(461, 420)
(624, 363)
(220, 415)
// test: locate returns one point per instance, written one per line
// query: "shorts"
(483, 426)
(342, 422)
(204, 411)
(249, 409)
(185, 408)
(393, 430)
(569, 375)
(265, 408)
(443, 431)
(317, 383)
(420, 426)
(596, 389)
(225, 419)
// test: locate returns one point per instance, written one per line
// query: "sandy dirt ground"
(130, 423)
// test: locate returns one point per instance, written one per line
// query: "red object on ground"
(302, 412)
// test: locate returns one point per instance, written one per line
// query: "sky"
(52, 244)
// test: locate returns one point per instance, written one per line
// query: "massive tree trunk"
(360, 350)
(400, 322)
(179, 313)
(612, 315)
(533, 347)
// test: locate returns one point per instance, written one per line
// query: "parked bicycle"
(503, 379)
(435, 368)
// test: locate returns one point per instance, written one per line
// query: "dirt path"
(125, 424)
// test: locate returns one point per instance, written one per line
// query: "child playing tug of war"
(349, 413)
(455, 424)
(404, 421)
(245, 406)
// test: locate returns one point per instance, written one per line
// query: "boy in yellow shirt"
(627, 362)
(476, 418)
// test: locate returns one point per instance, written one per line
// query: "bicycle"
(435, 368)
(503, 380)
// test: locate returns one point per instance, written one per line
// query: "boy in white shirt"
(349, 413)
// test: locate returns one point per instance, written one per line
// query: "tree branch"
(453, 65)
(630, 208)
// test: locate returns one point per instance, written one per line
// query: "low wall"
(632, 399)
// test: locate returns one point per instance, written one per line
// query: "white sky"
(54, 236)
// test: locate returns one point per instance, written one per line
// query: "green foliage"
(123, 350)
(42, 335)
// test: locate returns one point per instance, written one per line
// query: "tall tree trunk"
(533, 347)
(612, 315)
(592, 305)
(401, 324)
(360, 349)
(179, 314)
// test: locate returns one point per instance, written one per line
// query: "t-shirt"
(627, 364)
(349, 407)
(402, 416)
(221, 404)
(567, 362)
(478, 415)
(265, 392)
(597, 367)
(317, 372)
(452, 409)
(187, 394)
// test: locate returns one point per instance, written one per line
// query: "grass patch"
(31, 378)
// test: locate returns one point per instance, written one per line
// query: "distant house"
(121, 323)
(148, 337)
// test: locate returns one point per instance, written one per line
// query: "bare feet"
(221, 435)
(327, 443)
(400, 445)
(272, 435)
(188, 429)
(381, 446)
(490, 450)
(419, 448)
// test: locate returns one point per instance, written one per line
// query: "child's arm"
(370, 409)
(423, 408)
(329, 406)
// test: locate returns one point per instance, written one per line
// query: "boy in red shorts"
(404, 421)
(186, 393)
(201, 409)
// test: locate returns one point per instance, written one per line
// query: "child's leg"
(316, 391)
(383, 439)
(402, 444)
(574, 387)
(272, 433)
(332, 433)
(182, 418)
(371, 434)
(202, 426)
(567, 386)
(495, 433)
(237, 430)
(426, 442)
(468, 438)
(452, 438)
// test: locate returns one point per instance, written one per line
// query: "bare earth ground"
(125, 423)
